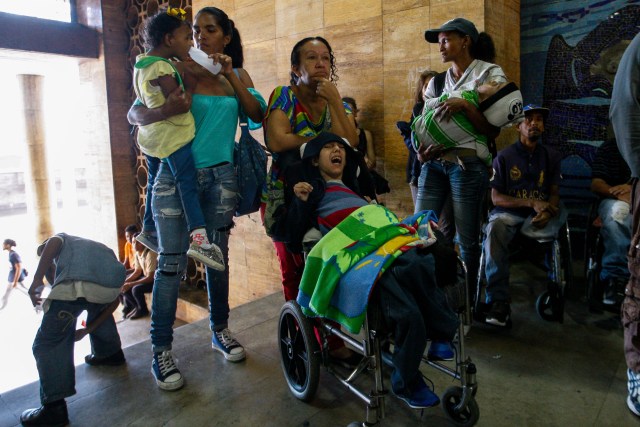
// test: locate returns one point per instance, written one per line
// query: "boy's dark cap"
(462, 25)
(313, 147)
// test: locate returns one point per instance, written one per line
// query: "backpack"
(251, 170)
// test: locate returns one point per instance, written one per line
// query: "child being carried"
(168, 35)
(500, 103)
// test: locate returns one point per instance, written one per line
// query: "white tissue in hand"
(203, 59)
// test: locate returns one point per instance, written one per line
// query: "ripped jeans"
(54, 342)
(217, 192)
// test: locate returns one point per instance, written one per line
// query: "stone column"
(32, 103)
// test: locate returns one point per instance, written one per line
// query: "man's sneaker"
(164, 369)
(208, 254)
(633, 399)
(499, 313)
(116, 359)
(613, 292)
(51, 414)
(419, 397)
(224, 342)
(127, 311)
(148, 240)
(440, 350)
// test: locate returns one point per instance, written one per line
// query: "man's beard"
(535, 136)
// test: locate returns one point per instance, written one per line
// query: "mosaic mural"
(570, 53)
(137, 11)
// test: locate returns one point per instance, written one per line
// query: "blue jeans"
(217, 191)
(184, 171)
(54, 342)
(616, 236)
(499, 233)
(218, 188)
(153, 163)
(467, 187)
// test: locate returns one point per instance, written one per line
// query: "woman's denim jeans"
(468, 188)
(54, 342)
(217, 191)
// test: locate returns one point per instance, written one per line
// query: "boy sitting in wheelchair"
(366, 244)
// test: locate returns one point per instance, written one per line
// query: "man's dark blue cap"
(536, 108)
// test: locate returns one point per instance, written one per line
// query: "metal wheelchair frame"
(302, 356)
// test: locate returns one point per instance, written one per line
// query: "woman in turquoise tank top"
(217, 102)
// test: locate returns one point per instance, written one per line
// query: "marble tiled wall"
(380, 50)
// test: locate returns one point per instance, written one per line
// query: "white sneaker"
(167, 374)
(226, 344)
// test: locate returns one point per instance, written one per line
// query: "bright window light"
(57, 10)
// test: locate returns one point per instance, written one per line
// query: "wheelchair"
(593, 252)
(302, 356)
(557, 261)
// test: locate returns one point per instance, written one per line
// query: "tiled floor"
(536, 374)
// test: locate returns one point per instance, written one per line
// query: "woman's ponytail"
(234, 48)
(484, 49)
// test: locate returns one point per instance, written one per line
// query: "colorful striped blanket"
(343, 267)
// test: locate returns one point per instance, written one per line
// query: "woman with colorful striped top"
(296, 114)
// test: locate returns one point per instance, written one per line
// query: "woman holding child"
(217, 102)
(459, 171)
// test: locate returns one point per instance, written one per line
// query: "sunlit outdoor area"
(57, 10)
(71, 212)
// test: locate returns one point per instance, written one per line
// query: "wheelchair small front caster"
(548, 307)
(466, 416)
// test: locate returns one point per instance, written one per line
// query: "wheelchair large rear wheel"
(467, 416)
(299, 353)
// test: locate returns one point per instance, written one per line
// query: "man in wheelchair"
(402, 267)
(525, 195)
(610, 182)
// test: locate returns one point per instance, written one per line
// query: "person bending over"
(85, 276)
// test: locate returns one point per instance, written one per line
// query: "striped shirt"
(336, 204)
